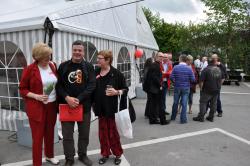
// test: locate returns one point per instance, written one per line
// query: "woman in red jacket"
(37, 87)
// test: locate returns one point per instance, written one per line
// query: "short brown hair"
(107, 54)
(78, 42)
(41, 51)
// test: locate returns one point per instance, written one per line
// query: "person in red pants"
(37, 87)
(109, 84)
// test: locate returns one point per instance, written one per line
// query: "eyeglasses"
(100, 58)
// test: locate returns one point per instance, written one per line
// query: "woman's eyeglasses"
(99, 58)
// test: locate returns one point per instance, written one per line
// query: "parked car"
(234, 75)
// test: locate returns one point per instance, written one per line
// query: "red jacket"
(31, 82)
(167, 74)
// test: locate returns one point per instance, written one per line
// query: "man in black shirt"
(211, 79)
(76, 82)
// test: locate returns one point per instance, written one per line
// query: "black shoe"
(117, 161)
(165, 122)
(103, 160)
(167, 113)
(210, 119)
(154, 122)
(85, 160)
(69, 162)
(219, 115)
(198, 119)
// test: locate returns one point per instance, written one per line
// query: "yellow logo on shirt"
(75, 77)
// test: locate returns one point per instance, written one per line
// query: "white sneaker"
(53, 160)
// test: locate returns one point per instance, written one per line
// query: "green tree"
(229, 16)
(154, 20)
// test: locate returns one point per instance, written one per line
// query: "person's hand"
(72, 101)
(111, 92)
(42, 98)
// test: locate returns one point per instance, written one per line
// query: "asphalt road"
(225, 142)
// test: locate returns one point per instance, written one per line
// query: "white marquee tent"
(119, 25)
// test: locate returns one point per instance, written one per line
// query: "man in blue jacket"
(182, 75)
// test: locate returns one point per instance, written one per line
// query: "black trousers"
(147, 107)
(204, 99)
(83, 137)
(155, 106)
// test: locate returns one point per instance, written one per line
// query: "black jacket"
(107, 105)
(153, 79)
(84, 91)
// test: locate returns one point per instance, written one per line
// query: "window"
(141, 66)
(124, 64)
(12, 62)
(90, 52)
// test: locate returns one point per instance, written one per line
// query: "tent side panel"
(24, 40)
(62, 42)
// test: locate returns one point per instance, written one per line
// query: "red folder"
(67, 114)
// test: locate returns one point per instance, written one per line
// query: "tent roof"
(119, 20)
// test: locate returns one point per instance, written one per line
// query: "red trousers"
(109, 137)
(43, 131)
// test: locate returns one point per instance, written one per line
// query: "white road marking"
(144, 143)
(233, 136)
(164, 139)
(124, 161)
(248, 85)
(235, 93)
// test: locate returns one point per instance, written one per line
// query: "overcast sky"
(178, 10)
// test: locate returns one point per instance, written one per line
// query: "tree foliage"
(225, 32)
(230, 17)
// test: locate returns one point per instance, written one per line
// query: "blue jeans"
(219, 107)
(183, 95)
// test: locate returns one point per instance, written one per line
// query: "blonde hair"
(107, 54)
(41, 51)
(190, 58)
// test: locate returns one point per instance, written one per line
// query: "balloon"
(138, 53)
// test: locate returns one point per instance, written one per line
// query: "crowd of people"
(184, 76)
(77, 84)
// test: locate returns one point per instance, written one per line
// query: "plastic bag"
(123, 122)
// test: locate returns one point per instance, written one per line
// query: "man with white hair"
(154, 76)
(204, 63)
(197, 62)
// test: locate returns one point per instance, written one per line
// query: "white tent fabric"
(107, 24)
(118, 20)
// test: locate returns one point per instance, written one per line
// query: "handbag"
(132, 113)
(123, 122)
(67, 114)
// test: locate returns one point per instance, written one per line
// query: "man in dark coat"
(154, 82)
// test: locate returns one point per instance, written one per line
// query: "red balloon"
(138, 53)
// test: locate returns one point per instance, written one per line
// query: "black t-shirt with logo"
(211, 77)
(74, 79)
